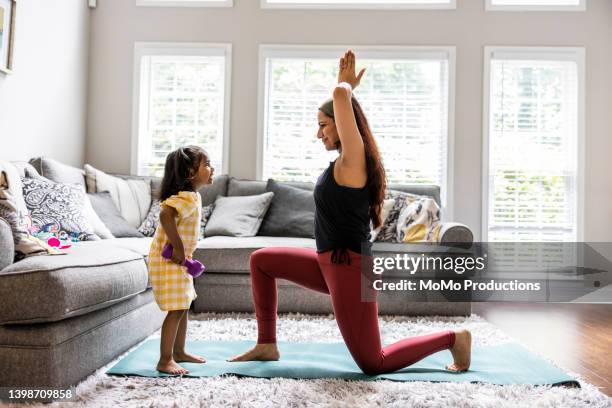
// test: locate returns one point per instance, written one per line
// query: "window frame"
(265, 4)
(489, 6)
(144, 49)
(368, 52)
(577, 54)
(184, 3)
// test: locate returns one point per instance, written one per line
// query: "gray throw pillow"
(291, 213)
(58, 204)
(238, 216)
(111, 217)
(210, 192)
(57, 171)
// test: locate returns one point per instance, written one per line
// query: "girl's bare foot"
(461, 351)
(184, 357)
(171, 367)
(261, 352)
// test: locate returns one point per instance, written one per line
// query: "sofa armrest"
(7, 246)
(456, 233)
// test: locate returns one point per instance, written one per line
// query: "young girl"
(187, 170)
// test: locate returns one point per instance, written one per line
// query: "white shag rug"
(100, 390)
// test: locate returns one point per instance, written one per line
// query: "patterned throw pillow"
(59, 204)
(419, 221)
(388, 232)
(207, 211)
(149, 225)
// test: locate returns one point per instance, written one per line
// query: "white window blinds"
(182, 101)
(405, 98)
(533, 149)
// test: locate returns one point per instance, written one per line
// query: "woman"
(348, 195)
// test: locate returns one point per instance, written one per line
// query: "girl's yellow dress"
(172, 285)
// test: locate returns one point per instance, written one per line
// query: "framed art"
(8, 9)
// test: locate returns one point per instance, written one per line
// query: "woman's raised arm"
(352, 155)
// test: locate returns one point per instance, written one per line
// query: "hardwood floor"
(576, 336)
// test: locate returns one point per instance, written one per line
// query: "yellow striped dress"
(172, 285)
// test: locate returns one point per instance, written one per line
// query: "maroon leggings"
(357, 319)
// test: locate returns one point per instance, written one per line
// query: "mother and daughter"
(348, 197)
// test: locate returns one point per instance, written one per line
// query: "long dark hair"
(181, 165)
(377, 179)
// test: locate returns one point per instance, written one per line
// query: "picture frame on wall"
(8, 10)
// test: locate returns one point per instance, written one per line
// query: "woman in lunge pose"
(348, 195)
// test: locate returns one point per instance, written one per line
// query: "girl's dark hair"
(181, 164)
(377, 180)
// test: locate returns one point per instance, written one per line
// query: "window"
(361, 4)
(533, 162)
(185, 3)
(181, 97)
(406, 95)
(535, 5)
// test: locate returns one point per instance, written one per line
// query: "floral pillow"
(419, 221)
(58, 204)
(150, 223)
(388, 232)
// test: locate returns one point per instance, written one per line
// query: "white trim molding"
(267, 51)
(185, 3)
(529, 53)
(361, 4)
(534, 5)
(183, 49)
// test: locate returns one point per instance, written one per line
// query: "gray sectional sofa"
(62, 317)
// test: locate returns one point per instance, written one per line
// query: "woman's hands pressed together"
(346, 71)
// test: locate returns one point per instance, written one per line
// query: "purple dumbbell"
(194, 268)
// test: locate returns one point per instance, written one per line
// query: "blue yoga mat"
(508, 363)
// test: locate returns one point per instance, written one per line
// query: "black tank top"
(341, 217)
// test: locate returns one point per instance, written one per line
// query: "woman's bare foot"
(184, 357)
(171, 367)
(461, 351)
(261, 352)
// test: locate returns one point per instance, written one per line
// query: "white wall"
(117, 24)
(43, 104)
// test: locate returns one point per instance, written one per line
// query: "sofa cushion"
(131, 196)
(89, 277)
(58, 172)
(291, 213)
(26, 169)
(231, 254)
(238, 216)
(104, 207)
(218, 188)
(239, 187)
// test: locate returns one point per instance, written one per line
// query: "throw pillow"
(100, 229)
(207, 211)
(384, 214)
(419, 221)
(58, 172)
(149, 225)
(388, 232)
(13, 209)
(238, 216)
(291, 213)
(132, 197)
(104, 206)
(62, 205)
